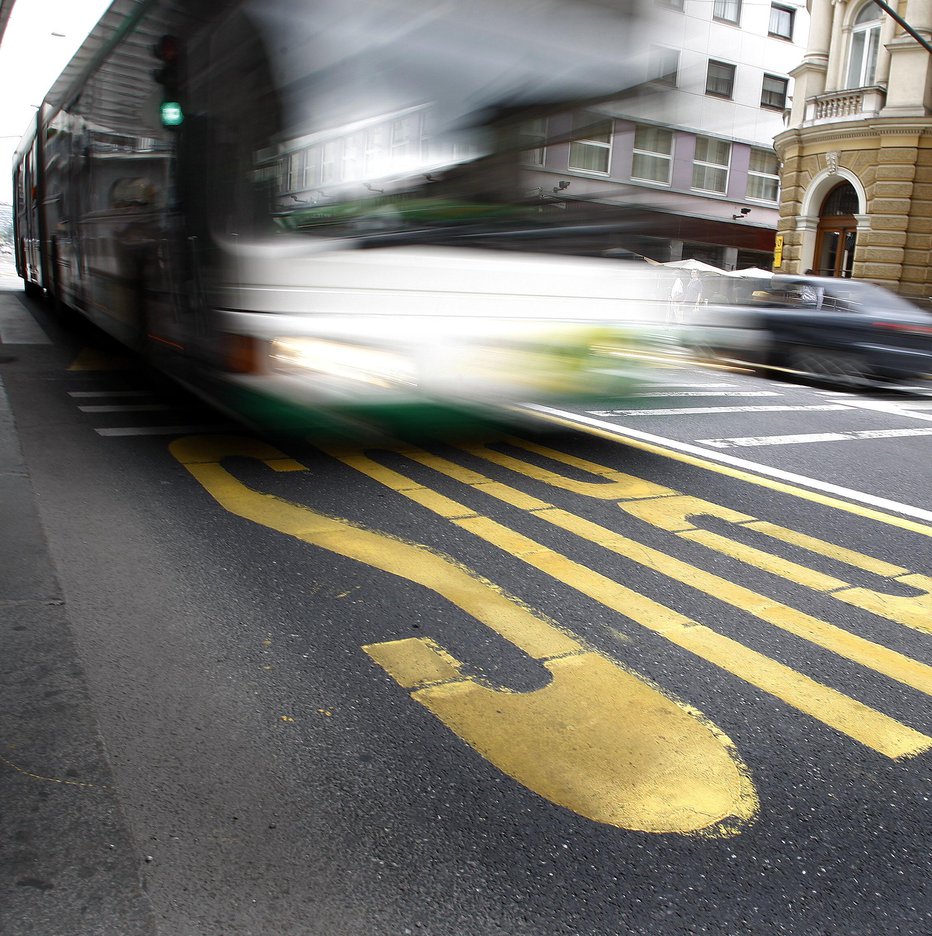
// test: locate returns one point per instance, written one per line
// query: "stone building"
(856, 176)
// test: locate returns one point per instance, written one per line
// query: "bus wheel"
(32, 290)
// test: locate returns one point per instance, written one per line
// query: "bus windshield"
(408, 119)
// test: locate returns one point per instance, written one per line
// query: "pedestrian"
(812, 294)
(693, 289)
(677, 292)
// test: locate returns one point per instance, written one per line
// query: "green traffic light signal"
(171, 113)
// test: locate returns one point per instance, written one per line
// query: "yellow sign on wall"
(778, 251)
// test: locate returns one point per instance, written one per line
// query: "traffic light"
(168, 51)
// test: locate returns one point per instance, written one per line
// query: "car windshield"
(846, 295)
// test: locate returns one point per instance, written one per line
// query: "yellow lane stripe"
(835, 639)
(616, 485)
(767, 562)
(870, 513)
(848, 716)
(829, 550)
(669, 510)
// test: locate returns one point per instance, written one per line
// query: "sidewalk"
(68, 866)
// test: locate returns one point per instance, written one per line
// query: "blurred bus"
(309, 203)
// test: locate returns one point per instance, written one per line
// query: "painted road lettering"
(598, 739)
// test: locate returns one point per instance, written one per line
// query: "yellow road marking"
(201, 455)
(600, 724)
(784, 488)
(830, 550)
(669, 510)
(597, 739)
(615, 485)
(676, 513)
(853, 718)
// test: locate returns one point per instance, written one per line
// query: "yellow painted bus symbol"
(596, 739)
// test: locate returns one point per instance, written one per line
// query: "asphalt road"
(637, 670)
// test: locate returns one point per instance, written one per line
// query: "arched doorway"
(837, 232)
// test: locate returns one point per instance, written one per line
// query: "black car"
(843, 330)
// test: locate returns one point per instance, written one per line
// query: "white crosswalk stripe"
(803, 438)
(716, 410)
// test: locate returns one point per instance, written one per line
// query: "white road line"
(125, 408)
(711, 455)
(814, 437)
(103, 394)
(162, 430)
(647, 394)
(697, 386)
(713, 410)
(888, 406)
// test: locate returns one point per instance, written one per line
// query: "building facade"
(857, 151)
(695, 146)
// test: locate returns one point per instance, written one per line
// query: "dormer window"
(865, 41)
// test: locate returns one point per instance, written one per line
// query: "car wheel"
(839, 367)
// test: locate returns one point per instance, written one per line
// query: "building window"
(663, 65)
(720, 79)
(865, 41)
(376, 155)
(329, 164)
(763, 175)
(294, 171)
(773, 92)
(354, 149)
(842, 200)
(728, 11)
(405, 138)
(676, 4)
(653, 155)
(533, 135)
(710, 165)
(592, 151)
(781, 21)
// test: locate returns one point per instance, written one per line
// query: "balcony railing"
(855, 104)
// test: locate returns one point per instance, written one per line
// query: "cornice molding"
(875, 129)
(908, 42)
(817, 66)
